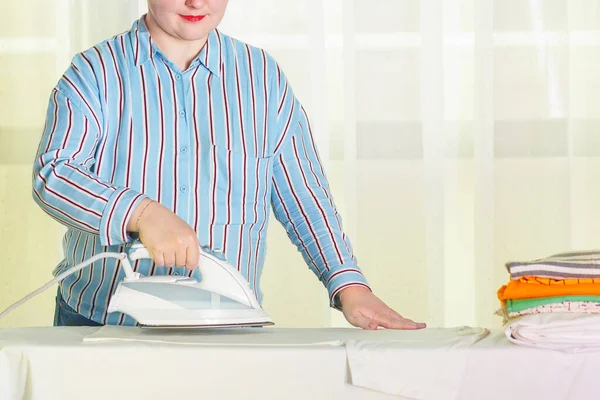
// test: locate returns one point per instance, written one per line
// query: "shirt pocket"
(240, 186)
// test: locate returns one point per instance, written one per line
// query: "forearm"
(79, 199)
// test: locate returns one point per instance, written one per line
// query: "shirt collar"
(144, 49)
(211, 55)
(141, 42)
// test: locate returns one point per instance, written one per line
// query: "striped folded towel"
(579, 264)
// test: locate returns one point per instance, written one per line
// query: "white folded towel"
(567, 332)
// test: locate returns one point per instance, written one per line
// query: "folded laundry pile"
(554, 302)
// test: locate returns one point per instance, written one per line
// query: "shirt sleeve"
(303, 204)
(64, 183)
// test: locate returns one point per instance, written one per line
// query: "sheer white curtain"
(458, 135)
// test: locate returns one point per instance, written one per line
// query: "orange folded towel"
(527, 287)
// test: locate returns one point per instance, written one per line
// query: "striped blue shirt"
(218, 144)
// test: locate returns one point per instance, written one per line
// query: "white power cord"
(120, 256)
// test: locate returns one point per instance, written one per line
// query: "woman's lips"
(192, 18)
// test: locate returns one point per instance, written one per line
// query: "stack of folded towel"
(567, 282)
(565, 288)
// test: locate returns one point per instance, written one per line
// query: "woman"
(180, 135)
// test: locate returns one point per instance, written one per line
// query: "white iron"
(222, 298)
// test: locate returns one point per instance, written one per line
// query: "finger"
(417, 325)
(193, 257)
(169, 259)
(395, 322)
(395, 316)
(363, 322)
(180, 257)
(158, 258)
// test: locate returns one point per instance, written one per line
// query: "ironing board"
(272, 363)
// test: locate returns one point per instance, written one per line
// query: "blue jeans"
(64, 315)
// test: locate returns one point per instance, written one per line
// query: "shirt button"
(181, 113)
(183, 189)
(178, 76)
(183, 149)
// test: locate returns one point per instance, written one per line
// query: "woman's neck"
(180, 52)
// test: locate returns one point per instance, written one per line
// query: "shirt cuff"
(341, 278)
(118, 211)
